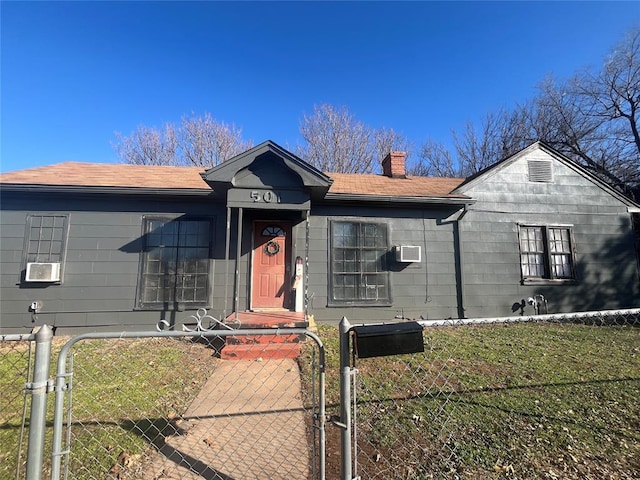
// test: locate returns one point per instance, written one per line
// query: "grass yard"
(521, 401)
(503, 401)
(125, 392)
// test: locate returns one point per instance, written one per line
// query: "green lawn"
(125, 392)
(499, 401)
(516, 401)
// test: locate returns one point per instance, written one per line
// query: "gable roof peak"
(224, 173)
(556, 156)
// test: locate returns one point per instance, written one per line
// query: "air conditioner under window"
(408, 253)
(43, 272)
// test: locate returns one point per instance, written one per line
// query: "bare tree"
(501, 134)
(388, 140)
(613, 95)
(336, 142)
(591, 117)
(197, 141)
(435, 160)
(148, 146)
(561, 117)
(206, 142)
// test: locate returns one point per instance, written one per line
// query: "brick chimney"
(393, 165)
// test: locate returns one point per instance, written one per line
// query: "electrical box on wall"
(408, 253)
(42, 272)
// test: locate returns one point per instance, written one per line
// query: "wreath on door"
(271, 248)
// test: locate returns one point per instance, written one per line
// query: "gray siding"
(426, 289)
(100, 273)
(606, 266)
(482, 278)
(102, 261)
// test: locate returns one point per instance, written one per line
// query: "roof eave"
(24, 187)
(205, 192)
(432, 200)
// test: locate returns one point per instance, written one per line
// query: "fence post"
(38, 390)
(345, 399)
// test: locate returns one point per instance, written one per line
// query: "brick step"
(264, 339)
(255, 351)
(276, 319)
(268, 323)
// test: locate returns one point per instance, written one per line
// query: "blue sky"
(73, 73)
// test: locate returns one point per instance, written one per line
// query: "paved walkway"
(246, 423)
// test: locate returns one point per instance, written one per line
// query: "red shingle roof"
(158, 177)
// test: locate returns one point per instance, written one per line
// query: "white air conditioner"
(408, 253)
(42, 272)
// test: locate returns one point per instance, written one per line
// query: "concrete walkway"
(247, 422)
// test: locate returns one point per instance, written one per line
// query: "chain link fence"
(16, 364)
(167, 407)
(548, 397)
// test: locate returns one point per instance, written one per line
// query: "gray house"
(88, 247)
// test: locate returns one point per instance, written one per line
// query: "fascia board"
(346, 197)
(39, 188)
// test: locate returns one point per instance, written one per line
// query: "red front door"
(270, 286)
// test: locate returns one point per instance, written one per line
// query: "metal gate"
(163, 405)
(16, 355)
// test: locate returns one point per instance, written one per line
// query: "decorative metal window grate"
(175, 266)
(359, 271)
(45, 241)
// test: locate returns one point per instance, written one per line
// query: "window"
(272, 231)
(359, 263)
(45, 241)
(546, 253)
(175, 263)
(46, 238)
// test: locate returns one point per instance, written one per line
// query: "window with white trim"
(358, 263)
(546, 253)
(175, 263)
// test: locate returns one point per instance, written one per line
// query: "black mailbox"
(388, 339)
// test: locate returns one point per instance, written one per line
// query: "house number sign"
(268, 199)
(264, 196)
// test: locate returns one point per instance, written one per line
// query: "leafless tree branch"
(197, 141)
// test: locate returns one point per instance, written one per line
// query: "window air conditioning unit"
(408, 253)
(43, 272)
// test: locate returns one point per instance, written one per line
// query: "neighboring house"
(122, 247)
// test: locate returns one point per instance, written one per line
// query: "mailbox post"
(373, 340)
